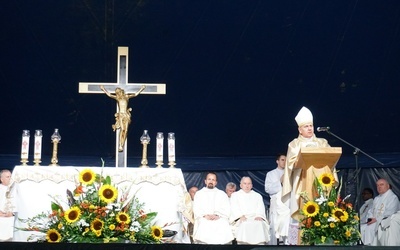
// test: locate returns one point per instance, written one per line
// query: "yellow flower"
(123, 217)
(53, 236)
(326, 179)
(326, 215)
(317, 223)
(156, 232)
(331, 204)
(310, 209)
(87, 176)
(111, 227)
(356, 217)
(108, 193)
(59, 226)
(348, 233)
(340, 215)
(332, 225)
(96, 226)
(73, 214)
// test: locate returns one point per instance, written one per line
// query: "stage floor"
(118, 246)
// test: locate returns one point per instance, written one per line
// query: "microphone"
(320, 129)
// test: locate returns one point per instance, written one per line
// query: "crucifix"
(124, 90)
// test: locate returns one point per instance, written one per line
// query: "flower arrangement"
(328, 219)
(96, 213)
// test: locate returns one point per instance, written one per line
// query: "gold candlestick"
(55, 139)
(171, 164)
(145, 140)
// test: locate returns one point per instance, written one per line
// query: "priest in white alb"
(384, 205)
(248, 214)
(279, 212)
(211, 210)
(7, 206)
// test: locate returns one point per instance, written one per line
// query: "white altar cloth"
(161, 189)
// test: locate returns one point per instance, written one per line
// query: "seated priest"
(384, 205)
(389, 231)
(211, 210)
(248, 214)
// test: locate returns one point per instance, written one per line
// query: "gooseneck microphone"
(320, 129)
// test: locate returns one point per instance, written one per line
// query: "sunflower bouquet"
(328, 219)
(96, 213)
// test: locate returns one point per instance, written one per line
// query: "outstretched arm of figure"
(106, 92)
(137, 93)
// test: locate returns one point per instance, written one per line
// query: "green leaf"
(55, 206)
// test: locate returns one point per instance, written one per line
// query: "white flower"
(321, 200)
(83, 223)
(331, 219)
(135, 226)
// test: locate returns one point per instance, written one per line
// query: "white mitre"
(304, 117)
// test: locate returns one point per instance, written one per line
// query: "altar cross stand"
(129, 88)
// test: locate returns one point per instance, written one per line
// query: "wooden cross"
(122, 82)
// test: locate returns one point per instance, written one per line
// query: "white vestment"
(279, 212)
(211, 201)
(7, 204)
(389, 231)
(364, 216)
(250, 205)
(384, 206)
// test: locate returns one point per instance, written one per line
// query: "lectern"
(314, 162)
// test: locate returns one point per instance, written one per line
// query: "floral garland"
(328, 218)
(96, 213)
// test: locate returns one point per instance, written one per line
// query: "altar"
(163, 190)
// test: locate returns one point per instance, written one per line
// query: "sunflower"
(340, 215)
(73, 214)
(108, 193)
(310, 209)
(326, 179)
(53, 236)
(156, 232)
(123, 217)
(87, 176)
(96, 226)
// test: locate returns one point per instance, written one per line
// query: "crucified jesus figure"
(123, 115)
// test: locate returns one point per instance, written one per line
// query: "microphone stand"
(356, 152)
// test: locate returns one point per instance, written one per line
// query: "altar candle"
(25, 144)
(171, 147)
(38, 144)
(160, 147)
